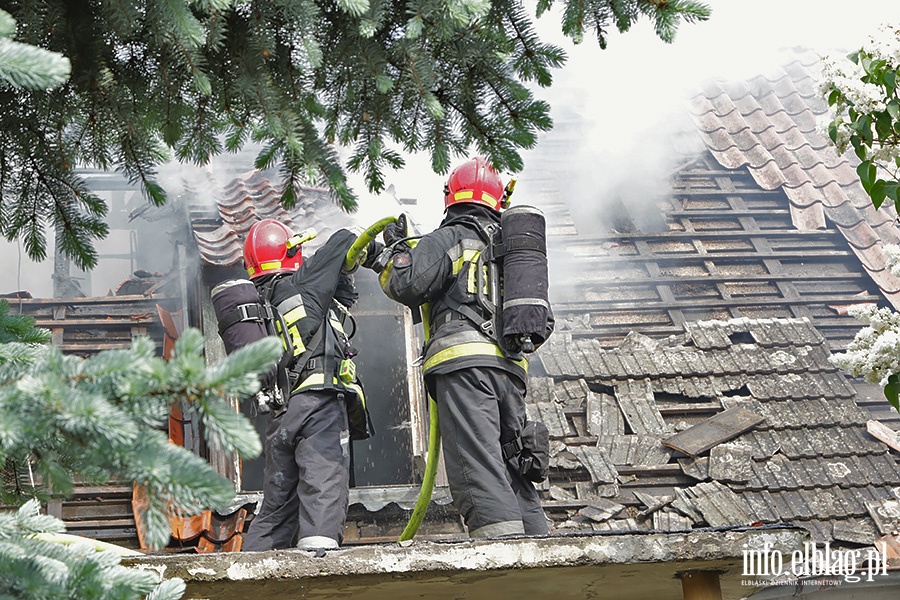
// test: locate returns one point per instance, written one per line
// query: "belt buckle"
(244, 309)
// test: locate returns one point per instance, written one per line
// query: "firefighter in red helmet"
(478, 386)
(307, 468)
(271, 247)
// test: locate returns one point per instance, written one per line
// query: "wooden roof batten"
(725, 254)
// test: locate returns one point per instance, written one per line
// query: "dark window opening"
(741, 337)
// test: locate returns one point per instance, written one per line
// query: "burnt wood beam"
(644, 304)
(668, 236)
(690, 259)
(715, 279)
(103, 322)
(718, 214)
(90, 300)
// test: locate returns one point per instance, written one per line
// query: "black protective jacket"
(439, 272)
(304, 300)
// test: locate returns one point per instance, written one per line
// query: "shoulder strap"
(487, 232)
(484, 231)
(270, 315)
(303, 359)
(311, 345)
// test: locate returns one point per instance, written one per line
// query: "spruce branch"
(26, 66)
(37, 560)
(101, 418)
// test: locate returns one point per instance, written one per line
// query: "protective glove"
(372, 251)
(396, 231)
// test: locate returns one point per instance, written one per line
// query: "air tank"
(526, 319)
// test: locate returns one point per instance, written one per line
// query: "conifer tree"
(154, 80)
(34, 564)
(65, 418)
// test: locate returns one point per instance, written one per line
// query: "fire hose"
(351, 262)
(431, 460)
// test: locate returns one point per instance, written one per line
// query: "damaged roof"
(220, 227)
(762, 219)
(769, 125)
(735, 423)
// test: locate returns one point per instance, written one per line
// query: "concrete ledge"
(421, 562)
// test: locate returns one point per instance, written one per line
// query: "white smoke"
(627, 102)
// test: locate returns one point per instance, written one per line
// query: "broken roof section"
(735, 423)
(761, 220)
(770, 125)
(220, 226)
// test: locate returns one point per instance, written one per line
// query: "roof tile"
(718, 504)
(855, 531)
(696, 467)
(730, 462)
(637, 402)
(600, 468)
(669, 520)
(760, 507)
(604, 416)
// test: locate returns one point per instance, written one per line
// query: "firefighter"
(478, 388)
(307, 467)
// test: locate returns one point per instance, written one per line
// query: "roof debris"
(714, 430)
(884, 433)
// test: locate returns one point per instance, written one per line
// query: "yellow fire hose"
(351, 262)
(431, 458)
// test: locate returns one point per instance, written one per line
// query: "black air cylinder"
(526, 307)
(228, 297)
(237, 307)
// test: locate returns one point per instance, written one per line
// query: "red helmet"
(474, 181)
(266, 249)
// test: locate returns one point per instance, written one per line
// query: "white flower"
(875, 351)
(892, 258)
(842, 140)
(884, 44)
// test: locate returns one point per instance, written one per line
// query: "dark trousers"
(480, 409)
(307, 474)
